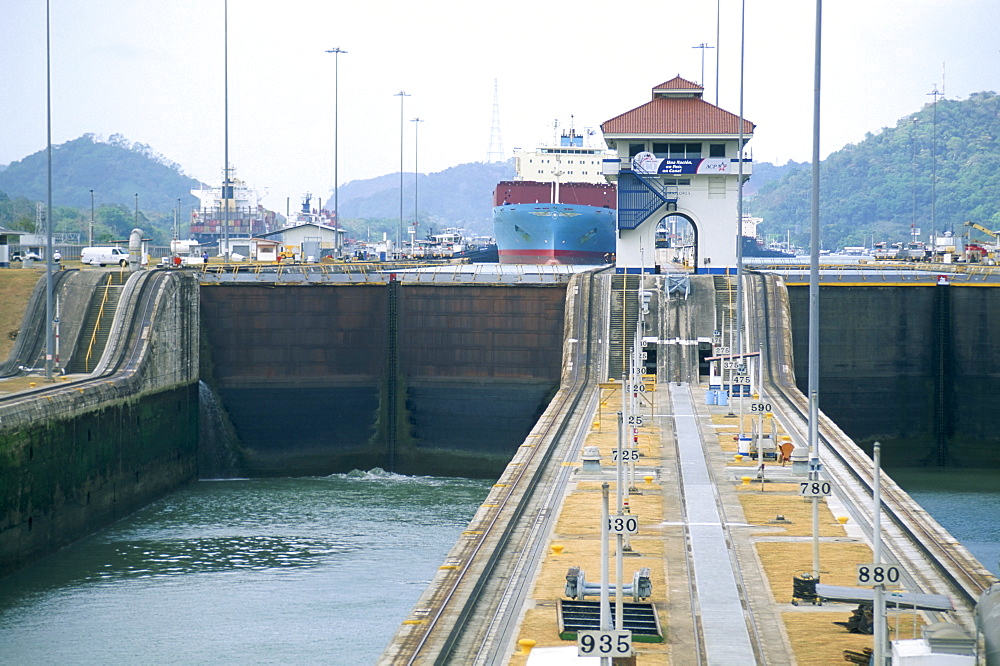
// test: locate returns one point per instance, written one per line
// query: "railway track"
(440, 629)
(129, 347)
(933, 560)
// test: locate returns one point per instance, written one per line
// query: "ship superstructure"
(244, 218)
(559, 210)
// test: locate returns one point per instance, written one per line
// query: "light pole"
(814, 245)
(703, 46)
(416, 176)
(336, 51)
(49, 337)
(90, 236)
(718, 22)
(399, 232)
(226, 191)
(934, 230)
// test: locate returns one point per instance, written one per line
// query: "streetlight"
(399, 232)
(226, 191)
(336, 51)
(718, 21)
(49, 337)
(703, 46)
(90, 237)
(416, 175)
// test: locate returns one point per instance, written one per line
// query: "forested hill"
(458, 196)
(114, 169)
(880, 186)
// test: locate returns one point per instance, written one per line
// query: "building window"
(661, 150)
(677, 181)
(636, 148)
(684, 151)
(716, 150)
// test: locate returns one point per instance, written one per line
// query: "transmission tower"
(495, 152)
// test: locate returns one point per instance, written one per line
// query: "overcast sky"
(153, 72)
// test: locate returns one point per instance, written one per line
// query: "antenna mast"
(495, 152)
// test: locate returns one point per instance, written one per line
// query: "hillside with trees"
(935, 169)
(460, 196)
(115, 169)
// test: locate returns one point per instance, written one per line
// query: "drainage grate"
(640, 619)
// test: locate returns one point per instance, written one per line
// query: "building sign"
(651, 164)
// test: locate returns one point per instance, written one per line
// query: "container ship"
(559, 209)
(247, 217)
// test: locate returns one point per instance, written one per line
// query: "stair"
(97, 325)
(624, 313)
(725, 316)
(725, 304)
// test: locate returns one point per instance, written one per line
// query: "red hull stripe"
(544, 256)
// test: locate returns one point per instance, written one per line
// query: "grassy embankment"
(15, 290)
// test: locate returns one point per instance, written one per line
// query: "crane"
(990, 249)
(994, 234)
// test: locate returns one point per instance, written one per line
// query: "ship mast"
(556, 173)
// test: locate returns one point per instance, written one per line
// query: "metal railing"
(97, 325)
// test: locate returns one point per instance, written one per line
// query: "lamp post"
(703, 46)
(90, 236)
(718, 22)
(49, 337)
(336, 51)
(416, 175)
(226, 191)
(814, 245)
(399, 232)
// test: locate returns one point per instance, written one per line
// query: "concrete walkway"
(723, 625)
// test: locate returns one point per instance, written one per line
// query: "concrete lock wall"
(415, 378)
(76, 457)
(909, 366)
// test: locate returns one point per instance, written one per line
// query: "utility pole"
(703, 46)
(416, 180)
(336, 51)
(399, 232)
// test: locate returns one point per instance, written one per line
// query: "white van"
(102, 256)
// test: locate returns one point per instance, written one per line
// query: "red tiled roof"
(684, 115)
(677, 83)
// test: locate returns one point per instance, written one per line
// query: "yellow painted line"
(571, 464)
(500, 485)
(448, 566)
(491, 506)
(413, 621)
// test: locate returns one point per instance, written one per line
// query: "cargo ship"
(247, 217)
(559, 210)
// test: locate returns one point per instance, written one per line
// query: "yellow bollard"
(557, 548)
(526, 644)
(746, 480)
(648, 479)
(842, 520)
(738, 458)
(32, 384)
